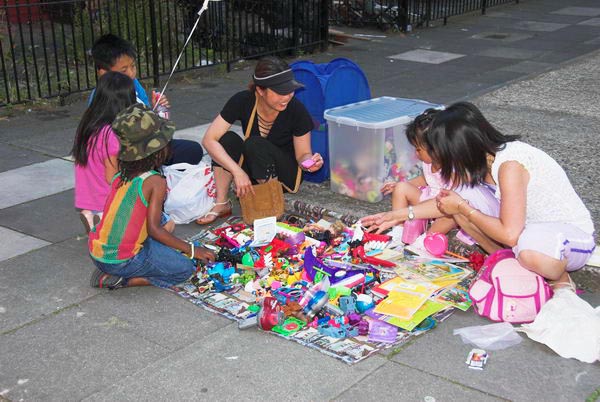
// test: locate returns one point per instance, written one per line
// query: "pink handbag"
(506, 291)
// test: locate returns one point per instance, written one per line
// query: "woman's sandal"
(212, 216)
(87, 221)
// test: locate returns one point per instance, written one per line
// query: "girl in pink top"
(420, 192)
(96, 146)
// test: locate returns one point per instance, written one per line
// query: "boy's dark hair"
(114, 93)
(460, 139)
(108, 48)
(416, 130)
(129, 170)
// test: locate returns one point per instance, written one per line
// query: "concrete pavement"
(531, 67)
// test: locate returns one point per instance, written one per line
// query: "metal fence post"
(403, 18)
(324, 25)
(483, 6)
(154, 36)
(428, 13)
(295, 27)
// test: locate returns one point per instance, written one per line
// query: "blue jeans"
(160, 264)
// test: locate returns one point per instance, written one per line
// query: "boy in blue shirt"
(112, 53)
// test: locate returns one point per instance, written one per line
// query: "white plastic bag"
(191, 191)
(491, 337)
(569, 326)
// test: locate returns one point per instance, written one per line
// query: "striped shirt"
(122, 231)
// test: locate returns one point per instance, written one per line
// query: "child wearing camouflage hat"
(130, 246)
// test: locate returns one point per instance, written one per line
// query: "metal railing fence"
(403, 15)
(44, 45)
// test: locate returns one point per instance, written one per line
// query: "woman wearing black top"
(277, 144)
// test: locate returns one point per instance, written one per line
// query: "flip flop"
(213, 216)
(86, 220)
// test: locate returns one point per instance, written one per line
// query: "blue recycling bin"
(325, 87)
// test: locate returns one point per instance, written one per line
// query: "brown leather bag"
(266, 201)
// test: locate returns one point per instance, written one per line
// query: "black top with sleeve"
(294, 121)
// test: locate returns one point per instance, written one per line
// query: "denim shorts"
(160, 264)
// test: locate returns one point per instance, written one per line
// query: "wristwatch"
(411, 213)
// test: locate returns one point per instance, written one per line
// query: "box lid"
(380, 112)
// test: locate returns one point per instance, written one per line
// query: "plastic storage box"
(368, 145)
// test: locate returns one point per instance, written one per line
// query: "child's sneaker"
(106, 281)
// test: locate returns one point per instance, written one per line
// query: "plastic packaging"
(160, 110)
(492, 337)
(312, 291)
(568, 325)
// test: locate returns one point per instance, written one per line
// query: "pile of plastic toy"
(317, 275)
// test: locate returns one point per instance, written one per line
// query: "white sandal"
(223, 214)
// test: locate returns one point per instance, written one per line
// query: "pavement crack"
(46, 316)
(450, 380)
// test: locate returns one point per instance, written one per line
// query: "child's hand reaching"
(380, 222)
(388, 188)
(203, 254)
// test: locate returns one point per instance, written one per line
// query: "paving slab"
(17, 243)
(181, 322)
(537, 26)
(426, 56)
(573, 34)
(539, 371)
(52, 218)
(12, 157)
(196, 133)
(399, 382)
(240, 365)
(55, 141)
(528, 67)
(70, 356)
(595, 22)
(593, 42)
(504, 37)
(579, 11)
(37, 284)
(510, 53)
(35, 181)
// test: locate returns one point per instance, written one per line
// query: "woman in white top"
(541, 217)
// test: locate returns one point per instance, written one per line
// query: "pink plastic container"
(413, 229)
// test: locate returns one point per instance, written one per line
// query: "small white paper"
(265, 230)
(324, 224)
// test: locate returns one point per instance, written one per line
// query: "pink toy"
(436, 244)
(307, 164)
(413, 229)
